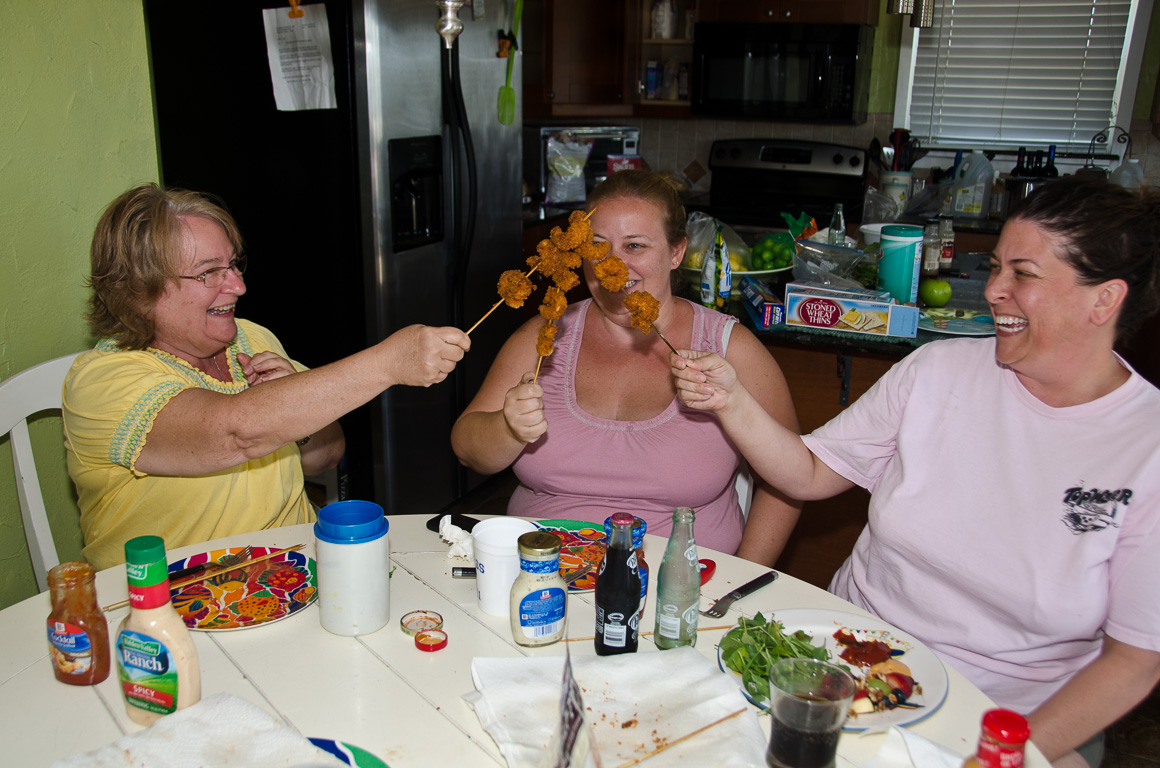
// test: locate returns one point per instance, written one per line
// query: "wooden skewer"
(538, 364)
(204, 576)
(494, 307)
(658, 750)
(647, 634)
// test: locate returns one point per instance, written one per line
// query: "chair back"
(32, 390)
(744, 484)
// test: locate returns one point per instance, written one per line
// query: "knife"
(718, 609)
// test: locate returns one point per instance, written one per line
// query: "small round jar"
(639, 529)
(539, 596)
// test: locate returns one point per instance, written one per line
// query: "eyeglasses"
(212, 278)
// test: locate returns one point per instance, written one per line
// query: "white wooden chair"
(744, 484)
(32, 390)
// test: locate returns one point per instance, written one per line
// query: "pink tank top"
(586, 468)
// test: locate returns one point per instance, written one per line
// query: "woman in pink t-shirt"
(1015, 510)
(600, 429)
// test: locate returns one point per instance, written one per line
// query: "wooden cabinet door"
(584, 52)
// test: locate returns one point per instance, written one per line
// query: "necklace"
(221, 376)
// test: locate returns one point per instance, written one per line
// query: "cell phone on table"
(462, 521)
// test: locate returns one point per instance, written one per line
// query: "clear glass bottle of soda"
(678, 585)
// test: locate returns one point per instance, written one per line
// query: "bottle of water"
(837, 235)
(678, 586)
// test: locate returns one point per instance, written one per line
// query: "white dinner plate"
(926, 668)
(737, 275)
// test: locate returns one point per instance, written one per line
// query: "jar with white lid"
(539, 597)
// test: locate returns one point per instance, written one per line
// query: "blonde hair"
(136, 252)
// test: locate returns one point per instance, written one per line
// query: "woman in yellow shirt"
(185, 421)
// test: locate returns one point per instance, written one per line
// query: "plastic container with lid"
(156, 658)
(639, 529)
(901, 262)
(78, 635)
(353, 552)
(1128, 174)
(972, 186)
(1004, 736)
(539, 597)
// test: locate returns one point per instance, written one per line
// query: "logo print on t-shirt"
(1090, 509)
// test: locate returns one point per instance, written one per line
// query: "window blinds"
(1014, 72)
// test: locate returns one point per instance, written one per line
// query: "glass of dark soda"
(809, 701)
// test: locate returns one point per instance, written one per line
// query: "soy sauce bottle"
(618, 592)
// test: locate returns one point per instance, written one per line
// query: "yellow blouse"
(111, 397)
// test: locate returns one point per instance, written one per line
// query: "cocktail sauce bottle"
(1001, 743)
(678, 585)
(618, 592)
(156, 659)
(78, 635)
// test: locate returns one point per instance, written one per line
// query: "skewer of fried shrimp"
(657, 330)
(495, 306)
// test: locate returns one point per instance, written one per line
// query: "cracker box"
(765, 309)
(615, 163)
(813, 305)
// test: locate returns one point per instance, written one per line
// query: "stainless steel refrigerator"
(400, 206)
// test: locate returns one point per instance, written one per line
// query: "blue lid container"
(350, 522)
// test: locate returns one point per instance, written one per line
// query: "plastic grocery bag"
(566, 161)
(878, 207)
(701, 230)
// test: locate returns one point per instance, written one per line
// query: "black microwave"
(816, 73)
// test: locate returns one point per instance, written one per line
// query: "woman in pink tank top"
(600, 430)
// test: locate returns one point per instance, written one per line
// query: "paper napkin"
(222, 731)
(459, 539)
(635, 703)
(905, 749)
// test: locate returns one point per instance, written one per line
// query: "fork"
(718, 609)
(224, 563)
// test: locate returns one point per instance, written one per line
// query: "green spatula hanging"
(507, 95)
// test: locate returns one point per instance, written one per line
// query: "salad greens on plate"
(755, 644)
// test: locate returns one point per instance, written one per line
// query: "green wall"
(76, 129)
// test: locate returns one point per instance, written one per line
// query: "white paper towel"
(460, 540)
(904, 749)
(635, 702)
(221, 731)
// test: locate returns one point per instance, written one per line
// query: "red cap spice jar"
(1005, 733)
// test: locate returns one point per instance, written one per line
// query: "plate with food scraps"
(812, 632)
(248, 596)
(956, 322)
(349, 754)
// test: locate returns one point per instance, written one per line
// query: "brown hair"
(646, 185)
(136, 252)
(1109, 233)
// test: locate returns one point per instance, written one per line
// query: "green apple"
(934, 293)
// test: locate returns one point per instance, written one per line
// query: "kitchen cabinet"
(576, 58)
(671, 59)
(791, 11)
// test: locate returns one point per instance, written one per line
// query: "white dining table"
(378, 691)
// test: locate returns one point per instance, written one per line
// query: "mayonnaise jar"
(539, 596)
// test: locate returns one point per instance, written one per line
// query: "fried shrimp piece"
(554, 304)
(548, 258)
(514, 288)
(565, 279)
(579, 231)
(594, 251)
(643, 308)
(545, 342)
(612, 273)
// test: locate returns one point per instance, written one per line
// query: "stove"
(755, 180)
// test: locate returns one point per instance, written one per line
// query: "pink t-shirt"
(1007, 535)
(586, 468)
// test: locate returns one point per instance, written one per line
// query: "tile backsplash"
(670, 146)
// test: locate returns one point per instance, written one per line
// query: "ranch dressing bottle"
(539, 596)
(156, 659)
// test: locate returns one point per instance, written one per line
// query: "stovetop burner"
(755, 180)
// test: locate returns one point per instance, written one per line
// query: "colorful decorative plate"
(581, 544)
(956, 322)
(248, 596)
(349, 754)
